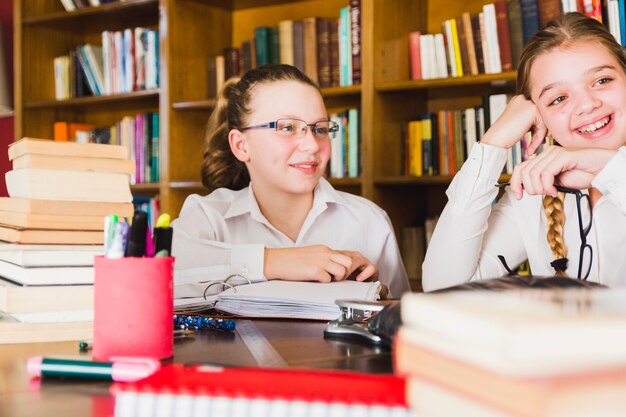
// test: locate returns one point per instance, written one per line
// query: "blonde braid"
(553, 207)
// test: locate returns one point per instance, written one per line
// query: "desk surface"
(300, 343)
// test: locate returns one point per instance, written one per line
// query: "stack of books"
(51, 227)
(527, 353)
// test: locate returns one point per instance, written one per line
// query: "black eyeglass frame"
(584, 231)
(333, 127)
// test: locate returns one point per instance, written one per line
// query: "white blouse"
(472, 231)
(225, 233)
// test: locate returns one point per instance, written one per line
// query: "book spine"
(310, 48)
(515, 30)
(469, 42)
(530, 18)
(551, 9)
(323, 53)
(333, 47)
(285, 40)
(261, 41)
(414, 55)
(504, 38)
(273, 45)
(355, 40)
(231, 62)
(298, 45)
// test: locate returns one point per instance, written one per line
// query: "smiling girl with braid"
(572, 85)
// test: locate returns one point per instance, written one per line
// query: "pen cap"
(136, 245)
(133, 308)
(163, 239)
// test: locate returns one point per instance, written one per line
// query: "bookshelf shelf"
(352, 90)
(402, 180)
(494, 80)
(145, 188)
(194, 186)
(345, 182)
(194, 105)
(149, 96)
(115, 15)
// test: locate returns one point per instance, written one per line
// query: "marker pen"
(122, 369)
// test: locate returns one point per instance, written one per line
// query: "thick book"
(55, 184)
(16, 298)
(581, 394)
(50, 221)
(52, 237)
(46, 275)
(14, 331)
(65, 208)
(75, 163)
(280, 299)
(49, 147)
(259, 392)
(49, 255)
(524, 332)
(355, 39)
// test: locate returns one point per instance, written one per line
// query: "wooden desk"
(300, 343)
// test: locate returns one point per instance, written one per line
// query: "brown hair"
(564, 31)
(220, 168)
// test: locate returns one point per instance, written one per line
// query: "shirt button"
(244, 270)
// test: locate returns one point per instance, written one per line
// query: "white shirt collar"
(245, 202)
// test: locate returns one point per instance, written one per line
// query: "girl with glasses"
(269, 213)
(572, 85)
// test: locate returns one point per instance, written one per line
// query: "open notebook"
(284, 299)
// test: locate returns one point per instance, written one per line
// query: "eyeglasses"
(583, 201)
(296, 128)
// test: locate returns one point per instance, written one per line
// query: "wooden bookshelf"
(191, 31)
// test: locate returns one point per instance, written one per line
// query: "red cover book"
(355, 40)
(265, 388)
(414, 55)
(549, 10)
(504, 37)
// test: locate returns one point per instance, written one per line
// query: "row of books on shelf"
(471, 44)
(139, 134)
(345, 158)
(491, 41)
(328, 50)
(126, 61)
(438, 143)
(71, 5)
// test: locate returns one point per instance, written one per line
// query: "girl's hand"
(570, 167)
(519, 117)
(316, 263)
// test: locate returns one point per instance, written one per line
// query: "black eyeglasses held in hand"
(583, 229)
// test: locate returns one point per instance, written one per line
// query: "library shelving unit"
(191, 31)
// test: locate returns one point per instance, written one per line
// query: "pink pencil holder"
(133, 308)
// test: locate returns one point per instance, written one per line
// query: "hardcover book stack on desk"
(52, 227)
(526, 353)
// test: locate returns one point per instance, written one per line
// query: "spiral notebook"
(284, 299)
(213, 391)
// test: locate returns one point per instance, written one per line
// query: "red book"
(262, 389)
(549, 10)
(414, 55)
(504, 37)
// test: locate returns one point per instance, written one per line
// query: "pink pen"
(121, 369)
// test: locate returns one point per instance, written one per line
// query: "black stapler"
(352, 323)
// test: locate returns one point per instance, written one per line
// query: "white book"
(522, 333)
(424, 57)
(432, 57)
(16, 298)
(470, 129)
(440, 56)
(614, 24)
(493, 46)
(285, 299)
(13, 331)
(49, 317)
(56, 184)
(484, 40)
(52, 275)
(49, 255)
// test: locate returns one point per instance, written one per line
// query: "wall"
(6, 123)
